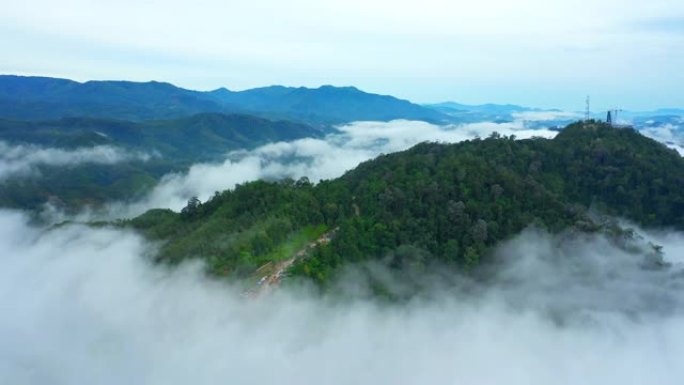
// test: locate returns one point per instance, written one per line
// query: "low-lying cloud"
(541, 116)
(669, 134)
(586, 277)
(314, 158)
(84, 305)
(25, 160)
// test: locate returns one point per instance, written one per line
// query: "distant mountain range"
(41, 98)
(186, 126)
(665, 111)
(504, 113)
(490, 111)
(489, 108)
(44, 98)
(326, 104)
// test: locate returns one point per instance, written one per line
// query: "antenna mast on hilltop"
(587, 112)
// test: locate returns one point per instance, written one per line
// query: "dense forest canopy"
(450, 203)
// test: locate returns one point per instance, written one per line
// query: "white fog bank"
(24, 160)
(84, 306)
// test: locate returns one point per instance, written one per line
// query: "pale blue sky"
(542, 53)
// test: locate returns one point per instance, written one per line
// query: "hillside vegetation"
(172, 146)
(199, 137)
(446, 203)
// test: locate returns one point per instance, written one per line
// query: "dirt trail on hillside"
(271, 281)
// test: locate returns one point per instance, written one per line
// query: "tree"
(191, 209)
(479, 231)
(303, 182)
(471, 257)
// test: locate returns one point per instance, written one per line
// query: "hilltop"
(445, 203)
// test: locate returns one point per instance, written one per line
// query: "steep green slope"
(445, 203)
(239, 230)
(190, 139)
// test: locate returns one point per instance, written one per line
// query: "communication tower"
(587, 111)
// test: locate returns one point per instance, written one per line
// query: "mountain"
(667, 111)
(489, 108)
(434, 203)
(174, 146)
(41, 98)
(327, 104)
(502, 113)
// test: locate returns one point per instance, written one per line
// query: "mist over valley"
(348, 192)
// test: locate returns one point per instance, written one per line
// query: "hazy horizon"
(338, 238)
(526, 52)
(596, 108)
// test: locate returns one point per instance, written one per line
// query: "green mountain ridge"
(434, 203)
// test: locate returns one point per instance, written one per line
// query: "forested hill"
(435, 202)
(173, 145)
(41, 98)
(193, 138)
